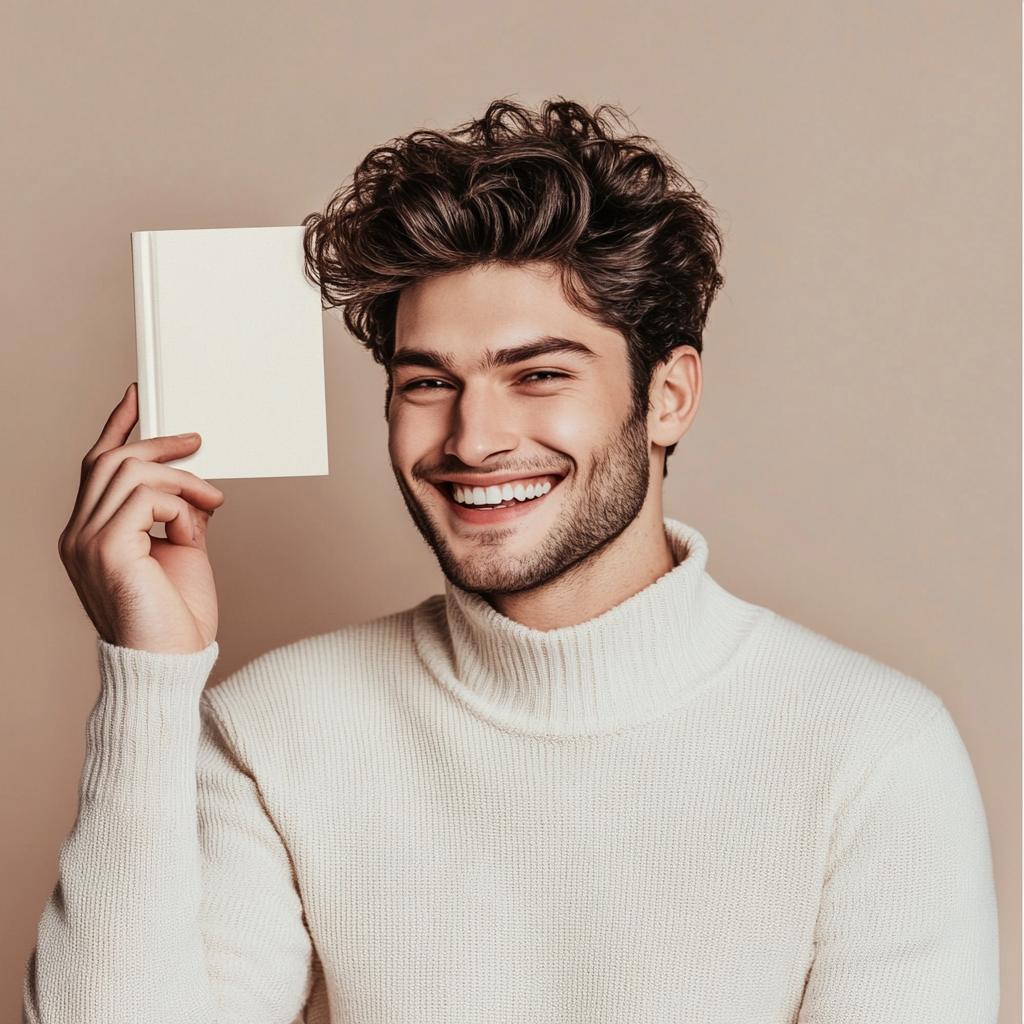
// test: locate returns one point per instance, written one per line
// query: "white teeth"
(495, 494)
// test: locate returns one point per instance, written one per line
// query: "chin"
(501, 559)
(492, 570)
(514, 558)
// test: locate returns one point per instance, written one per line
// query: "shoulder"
(813, 668)
(342, 668)
(852, 709)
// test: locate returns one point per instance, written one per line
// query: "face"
(512, 427)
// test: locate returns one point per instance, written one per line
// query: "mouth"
(492, 496)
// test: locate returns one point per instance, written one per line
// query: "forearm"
(119, 939)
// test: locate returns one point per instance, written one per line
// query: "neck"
(630, 563)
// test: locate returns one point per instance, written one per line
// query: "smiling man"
(521, 452)
(585, 784)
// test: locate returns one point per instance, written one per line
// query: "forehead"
(490, 307)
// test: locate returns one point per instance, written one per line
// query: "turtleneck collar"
(628, 666)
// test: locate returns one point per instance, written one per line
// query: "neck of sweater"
(630, 665)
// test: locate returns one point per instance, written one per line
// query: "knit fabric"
(686, 809)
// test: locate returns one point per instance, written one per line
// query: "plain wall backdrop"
(856, 463)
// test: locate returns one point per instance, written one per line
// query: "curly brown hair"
(637, 246)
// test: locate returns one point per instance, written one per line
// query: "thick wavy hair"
(637, 246)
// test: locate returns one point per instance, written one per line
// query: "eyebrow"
(436, 360)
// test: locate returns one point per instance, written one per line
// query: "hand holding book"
(229, 342)
(150, 593)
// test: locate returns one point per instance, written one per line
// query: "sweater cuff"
(144, 730)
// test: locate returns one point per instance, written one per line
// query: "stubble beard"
(609, 496)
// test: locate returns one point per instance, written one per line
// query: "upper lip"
(491, 479)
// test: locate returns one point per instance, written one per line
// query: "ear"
(675, 396)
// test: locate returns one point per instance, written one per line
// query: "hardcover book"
(229, 339)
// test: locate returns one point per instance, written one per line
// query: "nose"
(482, 426)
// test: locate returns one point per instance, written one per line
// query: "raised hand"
(149, 593)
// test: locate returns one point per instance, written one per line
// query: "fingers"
(124, 537)
(98, 469)
(117, 428)
(133, 473)
(146, 506)
(114, 436)
(150, 452)
(113, 470)
(104, 460)
(137, 590)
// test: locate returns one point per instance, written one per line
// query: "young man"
(584, 785)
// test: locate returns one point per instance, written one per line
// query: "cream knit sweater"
(687, 809)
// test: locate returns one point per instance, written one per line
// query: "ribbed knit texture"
(687, 809)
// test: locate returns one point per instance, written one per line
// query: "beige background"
(856, 464)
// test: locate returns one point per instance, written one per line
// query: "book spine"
(147, 339)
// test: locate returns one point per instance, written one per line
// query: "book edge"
(146, 340)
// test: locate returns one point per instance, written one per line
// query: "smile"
(501, 495)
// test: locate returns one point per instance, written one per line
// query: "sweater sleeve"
(258, 951)
(907, 924)
(127, 935)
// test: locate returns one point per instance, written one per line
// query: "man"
(586, 784)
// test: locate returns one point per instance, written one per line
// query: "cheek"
(399, 438)
(414, 433)
(576, 426)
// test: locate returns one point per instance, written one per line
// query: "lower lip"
(493, 516)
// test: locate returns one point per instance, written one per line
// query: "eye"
(542, 375)
(425, 384)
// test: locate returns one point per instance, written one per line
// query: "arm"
(125, 937)
(907, 926)
(162, 915)
(258, 951)
(119, 938)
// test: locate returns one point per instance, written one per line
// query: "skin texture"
(472, 406)
(149, 593)
(496, 378)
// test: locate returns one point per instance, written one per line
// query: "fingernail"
(187, 436)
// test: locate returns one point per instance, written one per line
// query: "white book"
(229, 339)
